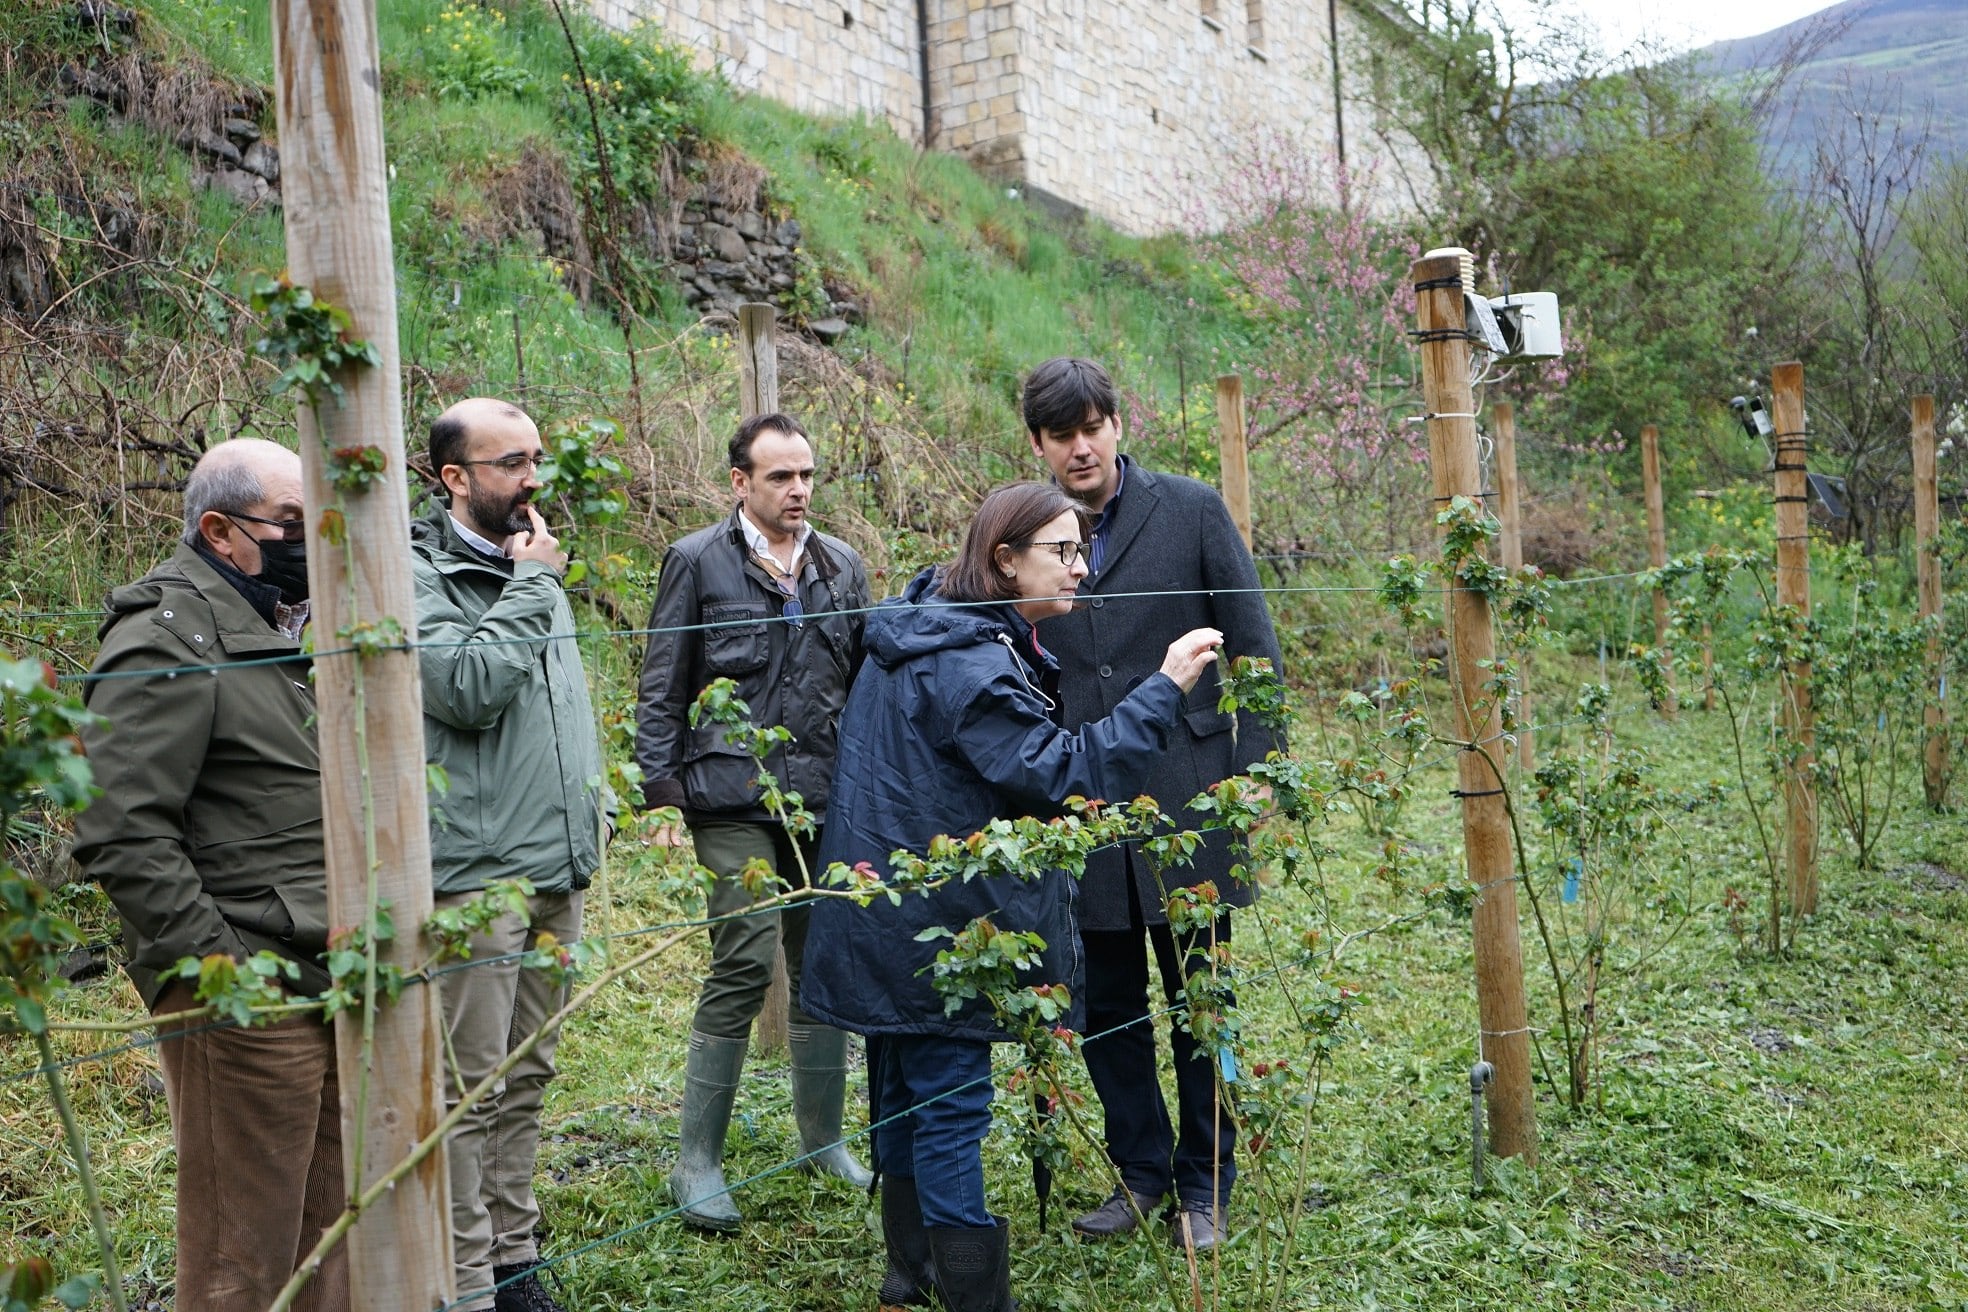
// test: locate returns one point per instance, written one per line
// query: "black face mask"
(283, 564)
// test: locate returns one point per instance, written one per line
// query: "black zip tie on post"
(1443, 334)
(1492, 792)
(1437, 284)
(1486, 492)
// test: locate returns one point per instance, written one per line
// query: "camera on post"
(1755, 420)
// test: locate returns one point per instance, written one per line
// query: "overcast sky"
(1682, 23)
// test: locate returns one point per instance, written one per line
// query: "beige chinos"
(490, 1005)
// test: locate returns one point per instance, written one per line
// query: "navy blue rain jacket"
(946, 729)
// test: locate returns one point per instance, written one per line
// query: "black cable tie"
(1781, 501)
(1442, 335)
(1436, 284)
(1457, 792)
(1478, 495)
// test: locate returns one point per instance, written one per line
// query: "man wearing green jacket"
(506, 714)
(208, 839)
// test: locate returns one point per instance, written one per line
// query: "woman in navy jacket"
(953, 722)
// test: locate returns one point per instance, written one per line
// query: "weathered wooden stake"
(1234, 452)
(1650, 474)
(1506, 1040)
(336, 205)
(1926, 528)
(1510, 512)
(758, 359)
(1708, 666)
(758, 394)
(1794, 590)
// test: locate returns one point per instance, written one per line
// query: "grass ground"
(1783, 1134)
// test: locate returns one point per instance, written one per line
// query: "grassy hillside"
(511, 280)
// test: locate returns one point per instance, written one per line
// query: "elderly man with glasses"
(766, 600)
(507, 717)
(208, 839)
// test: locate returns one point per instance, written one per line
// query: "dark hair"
(1008, 518)
(448, 436)
(741, 442)
(1059, 393)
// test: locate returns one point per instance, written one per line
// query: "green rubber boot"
(819, 1055)
(710, 1084)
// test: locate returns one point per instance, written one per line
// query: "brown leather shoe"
(1199, 1226)
(1115, 1216)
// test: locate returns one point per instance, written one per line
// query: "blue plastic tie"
(1227, 1060)
(1574, 871)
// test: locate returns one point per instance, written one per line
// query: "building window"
(1254, 26)
(1212, 15)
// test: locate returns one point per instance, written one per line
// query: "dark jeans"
(940, 1142)
(1199, 1163)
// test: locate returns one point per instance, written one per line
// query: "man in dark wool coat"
(1170, 536)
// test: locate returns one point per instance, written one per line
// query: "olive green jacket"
(207, 836)
(507, 716)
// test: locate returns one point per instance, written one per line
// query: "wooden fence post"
(1927, 528)
(758, 359)
(1510, 512)
(1794, 590)
(758, 394)
(1234, 452)
(1506, 1040)
(1650, 475)
(370, 721)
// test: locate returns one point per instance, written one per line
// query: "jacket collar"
(1143, 491)
(824, 564)
(241, 627)
(435, 538)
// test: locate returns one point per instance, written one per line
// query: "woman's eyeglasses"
(1068, 550)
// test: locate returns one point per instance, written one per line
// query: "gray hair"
(225, 485)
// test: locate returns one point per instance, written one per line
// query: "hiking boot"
(525, 1294)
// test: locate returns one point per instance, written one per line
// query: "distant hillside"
(1911, 54)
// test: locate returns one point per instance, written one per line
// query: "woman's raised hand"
(1188, 654)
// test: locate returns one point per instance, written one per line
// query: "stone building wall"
(819, 56)
(1128, 109)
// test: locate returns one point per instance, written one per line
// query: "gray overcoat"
(1172, 536)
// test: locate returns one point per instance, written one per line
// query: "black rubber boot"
(972, 1267)
(909, 1279)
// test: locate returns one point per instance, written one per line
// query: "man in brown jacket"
(208, 839)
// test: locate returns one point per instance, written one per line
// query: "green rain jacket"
(207, 836)
(507, 716)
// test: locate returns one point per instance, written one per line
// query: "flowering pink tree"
(1327, 366)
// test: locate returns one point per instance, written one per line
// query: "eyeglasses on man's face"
(291, 530)
(1069, 550)
(513, 466)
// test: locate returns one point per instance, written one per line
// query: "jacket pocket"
(719, 777)
(1206, 722)
(732, 646)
